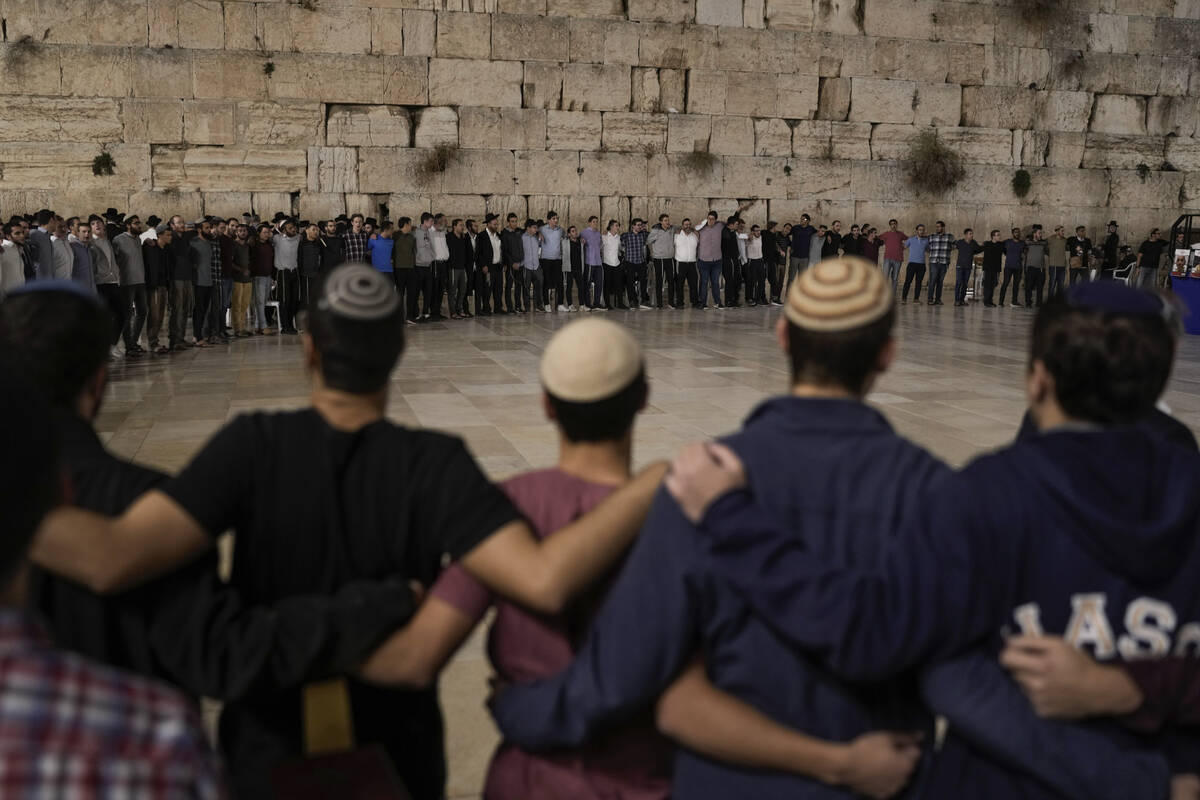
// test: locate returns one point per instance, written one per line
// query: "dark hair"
(386, 225)
(968, 230)
(94, 218)
(552, 215)
(400, 223)
(438, 216)
(713, 214)
(890, 221)
(661, 217)
(425, 217)
(44, 216)
(511, 216)
(355, 216)
(939, 222)
(357, 356)
(1107, 368)
(30, 480)
(593, 218)
(842, 358)
(994, 232)
(635, 221)
(455, 221)
(603, 420)
(57, 338)
(611, 222)
(8, 227)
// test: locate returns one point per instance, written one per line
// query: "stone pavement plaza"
(956, 389)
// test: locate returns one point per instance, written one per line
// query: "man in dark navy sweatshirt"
(1087, 531)
(821, 458)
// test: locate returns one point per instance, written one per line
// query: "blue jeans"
(1057, 276)
(937, 276)
(891, 269)
(710, 272)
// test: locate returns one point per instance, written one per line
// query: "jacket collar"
(818, 413)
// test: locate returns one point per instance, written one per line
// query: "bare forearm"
(77, 545)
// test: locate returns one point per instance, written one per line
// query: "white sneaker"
(573, 309)
(645, 307)
(562, 309)
(114, 353)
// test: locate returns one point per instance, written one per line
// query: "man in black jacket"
(513, 256)
(731, 266)
(459, 267)
(335, 247)
(182, 291)
(1079, 254)
(1112, 246)
(489, 266)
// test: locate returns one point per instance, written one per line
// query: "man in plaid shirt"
(356, 240)
(633, 247)
(216, 310)
(940, 244)
(71, 727)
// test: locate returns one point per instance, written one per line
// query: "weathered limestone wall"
(596, 107)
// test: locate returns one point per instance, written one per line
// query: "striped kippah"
(839, 295)
(358, 292)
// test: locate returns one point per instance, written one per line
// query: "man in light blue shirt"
(916, 247)
(552, 257)
(531, 245)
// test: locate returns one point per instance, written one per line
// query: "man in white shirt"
(441, 263)
(614, 276)
(756, 269)
(686, 244)
(12, 265)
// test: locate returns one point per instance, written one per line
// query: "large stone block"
(320, 29)
(1119, 114)
(818, 180)
(1183, 154)
(1066, 150)
(332, 169)
(634, 133)
(502, 128)
(592, 9)
(1175, 75)
(813, 139)
(662, 10)
(1029, 148)
(44, 119)
(833, 102)
(796, 15)
(772, 137)
(732, 136)
(382, 170)
(965, 63)
(162, 74)
(1016, 66)
(1171, 116)
(291, 123)
(1108, 33)
(661, 45)
(457, 82)
(92, 72)
(37, 71)
(613, 173)
(880, 182)
(241, 26)
(435, 125)
(54, 165)
(320, 206)
(596, 87)
(573, 130)
(420, 32)
(893, 142)
(850, 140)
(874, 100)
(220, 75)
(464, 35)
(1129, 74)
(937, 104)
(751, 95)
(1063, 111)
(979, 145)
(547, 172)
(646, 96)
(152, 120)
(387, 31)
(368, 126)
(688, 133)
(600, 41)
(208, 122)
(542, 85)
(998, 107)
(229, 168)
(687, 175)
(1122, 152)
(706, 91)
(908, 59)
(719, 12)
(529, 38)
(459, 206)
(187, 204)
(486, 171)
(755, 177)
(267, 204)
(1154, 190)
(201, 24)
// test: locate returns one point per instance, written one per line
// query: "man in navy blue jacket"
(823, 460)
(1087, 531)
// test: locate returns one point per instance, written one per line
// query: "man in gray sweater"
(108, 278)
(424, 264)
(127, 247)
(287, 259)
(661, 239)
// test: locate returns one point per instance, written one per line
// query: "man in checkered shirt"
(356, 240)
(940, 245)
(70, 727)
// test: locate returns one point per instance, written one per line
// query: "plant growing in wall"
(933, 168)
(1021, 182)
(268, 67)
(1039, 12)
(436, 161)
(18, 54)
(1143, 171)
(103, 164)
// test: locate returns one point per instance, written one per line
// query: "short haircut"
(426, 217)
(968, 230)
(552, 215)
(1108, 369)
(661, 217)
(635, 221)
(603, 420)
(994, 232)
(455, 221)
(355, 216)
(712, 214)
(95, 218)
(836, 222)
(840, 358)
(890, 221)
(57, 338)
(512, 216)
(44, 216)
(386, 225)
(9, 226)
(687, 219)
(400, 223)
(357, 356)
(436, 217)
(592, 219)
(30, 477)
(1080, 227)
(804, 217)
(610, 224)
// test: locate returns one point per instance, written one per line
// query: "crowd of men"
(210, 281)
(784, 617)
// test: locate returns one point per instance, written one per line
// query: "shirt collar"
(818, 413)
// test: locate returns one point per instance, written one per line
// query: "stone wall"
(599, 107)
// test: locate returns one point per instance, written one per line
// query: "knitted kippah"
(590, 360)
(358, 292)
(839, 294)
